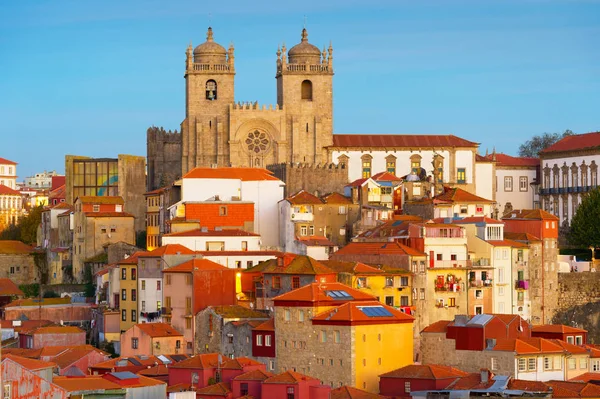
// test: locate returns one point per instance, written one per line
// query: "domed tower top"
(210, 52)
(304, 52)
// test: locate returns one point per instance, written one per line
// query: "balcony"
(562, 190)
(165, 311)
(482, 262)
(451, 264)
(480, 283)
(302, 216)
(449, 287)
(522, 284)
(554, 190)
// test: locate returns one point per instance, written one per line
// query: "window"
(168, 282)
(96, 208)
(259, 340)
(415, 164)
(188, 279)
(522, 364)
(306, 90)
(303, 230)
(290, 393)
(244, 388)
(249, 264)
(531, 363)
(361, 282)
(570, 340)
(583, 363)
(579, 340)
(479, 209)
(158, 285)
(572, 363)
(188, 305)
(390, 165)
(451, 302)
(271, 365)
(267, 340)
(286, 315)
(295, 282)
(523, 183)
(422, 293)
(143, 285)
(134, 294)
(595, 364)
(323, 336)
(494, 364)
(276, 282)
(133, 315)
(404, 281)
(123, 294)
(547, 363)
(123, 274)
(389, 300)
(134, 343)
(461, 175)
(336, 336)
(124, 315)
(133, 273)
(211, 90)
(389, 281)
(223, 210)
(300, 315)
(407, 386)
(342, 210)
(478, 294)
(188, 323)
(366, 166)
(508, 185)
(143, 306)
(311, 230)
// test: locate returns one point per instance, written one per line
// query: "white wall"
(484, 180)
(503, 288)
(518, 198)
(540, 374)
(198, 243)
(230, 260)
(150, 295)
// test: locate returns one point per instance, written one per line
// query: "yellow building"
(128, 269)
(153, 206)
(391, 286)
(340, 335)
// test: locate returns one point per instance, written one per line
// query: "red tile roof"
(471, 381)
(391, 228)
(530, 386)
(169, 249)
(87, 199)
(303, 197)
(400, 140)
(195, 265)
(458, 195)
(439, 326)
(70, 356)
(155, 371)
(574, 142)
(200, 361)
(288, 377)
(243, 174)
(378, 248)
(385, 176)
(30, 364)
(520, 237)
(525, 346)
(108, 215)
(7, 287)
(586, 377)
(426, 372)
(556, 328)
(156, 330)
(568, 389)
(132, 259)
(594, 350)
(239, 363)
(356, 268)
(218, 389)
(347, 392)
(507, 243)
(96, 382)
(213, 233)
(10, 247)
(317, 292)
(336, 198)
(268, 325)
(570, 348)
(315, 241)
(529, 214)
(5, 161)
(62, 205)
(358, 182)
(507, 160)
(5, 190)
(238, 312)
(296, 264)
(254, 375)
(351, 313)
(472, 220)
(57, 330)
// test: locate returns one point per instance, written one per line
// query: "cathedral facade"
(218, 132)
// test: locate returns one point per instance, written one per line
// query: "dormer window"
(415, 164)
(211, 90)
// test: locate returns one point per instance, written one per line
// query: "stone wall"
(316, 179)
(579, 302)
(163, 149)
(20, 268)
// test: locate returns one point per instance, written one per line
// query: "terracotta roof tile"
(5, 161)
(195, 264)
(101, 200)
(347, 392)
(155, 330)
(268, 325)
(439, 326)
(529, 214)
(470, 381)
(155, 371)
(317, 292)
(57, 330)
(315, 241)
(288, 377)
(254, 375)
(169, 249)
(574, 142)
(358, 313)
(454, 195)
(108, 215)
(10, 247)
(378, 248)
(520, 237)
(132, 259)
(243, 174)
(303, 197)
(239, 363)
(472, 220)
(29, 364)
(298, 264)
(525, 346)
(63, 205)
(586, 377)
(389, 229)
(508, 160)
(530, 386)
(238, 312)
(386, 176)
(5, 190)
(70, 356)
(356, 268)
(594, 350)
(359, 182)
(426, 371)
(218, 389)
(556, 328)
(400, 141)
(570, 389)
(36, 302)
(336, 198)
(213, 233)
(570, 348)
(7, 287)
(200, 361)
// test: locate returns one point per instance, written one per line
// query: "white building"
(245, 184)
(40, 180)
(239, 259)
(8, 173)
(569, 168)
(215, 240)
(516, 182)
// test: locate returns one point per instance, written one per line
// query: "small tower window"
(211, 90)
(307, 90)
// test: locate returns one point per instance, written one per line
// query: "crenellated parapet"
(255, 106)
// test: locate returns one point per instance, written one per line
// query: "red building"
(472, 334)
(135, 364)
(294, 385)
(261, 335)
(225, 214)
(249, 383)
(571, 335)
(417, 377)
(51, 336)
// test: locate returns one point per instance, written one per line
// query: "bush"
(30, 290)
(51, 294)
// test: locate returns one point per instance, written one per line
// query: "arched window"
(211, 90)
(366, 166)
(307, 90)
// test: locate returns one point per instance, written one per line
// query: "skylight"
(339, 295)
(375, 311)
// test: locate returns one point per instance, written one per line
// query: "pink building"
(29, 379)
(51, 336)
(290, 384)
(151, 339)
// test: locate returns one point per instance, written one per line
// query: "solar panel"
(135, 361)
(345, 295)
(178, 358)
(124, 375)
(164, 359)
(376, 311)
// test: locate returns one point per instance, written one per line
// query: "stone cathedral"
(217, 131)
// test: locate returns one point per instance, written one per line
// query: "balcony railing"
(482, 262)
(451, 263)
(521, 284)
(480, 283)
(449, 287)
(302, 216)
(165, 311)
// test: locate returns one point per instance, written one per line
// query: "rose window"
(257, 142)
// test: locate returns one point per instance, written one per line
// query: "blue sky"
(88, 78)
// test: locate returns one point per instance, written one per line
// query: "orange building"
(151, 339)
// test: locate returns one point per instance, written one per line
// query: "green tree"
(584, 225)
(532, 148)
(26, 228)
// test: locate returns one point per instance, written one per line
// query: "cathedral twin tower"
(219, 132)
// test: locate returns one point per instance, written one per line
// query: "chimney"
(485, 375)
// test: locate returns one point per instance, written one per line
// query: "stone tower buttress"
(305, 91)
(209, 86)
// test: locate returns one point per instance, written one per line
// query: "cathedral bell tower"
(209, 90)
(305, 91)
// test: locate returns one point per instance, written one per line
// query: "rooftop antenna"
(209, 19)
(304, 21)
